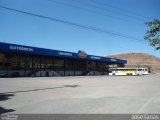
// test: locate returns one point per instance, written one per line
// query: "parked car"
(2, 74)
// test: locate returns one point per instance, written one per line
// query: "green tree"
(153, 34)
(138, 65)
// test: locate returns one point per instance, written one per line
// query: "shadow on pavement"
(8, 95)
(3, 110)
(72, 86)
(4, 97)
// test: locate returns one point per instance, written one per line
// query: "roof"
(7, 47)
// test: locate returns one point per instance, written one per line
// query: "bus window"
(110, 71)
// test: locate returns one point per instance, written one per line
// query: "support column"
(108, 68)
(32, 63)
(25, 66)
(7, 66)
(64, 67)
(40, 67)
(73, 65)
(97, 66)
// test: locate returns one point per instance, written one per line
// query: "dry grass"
(142, 59)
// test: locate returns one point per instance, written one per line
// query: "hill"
(140, 60)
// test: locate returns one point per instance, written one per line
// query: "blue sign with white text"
(6, 47)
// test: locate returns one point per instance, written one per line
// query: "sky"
(122, 17)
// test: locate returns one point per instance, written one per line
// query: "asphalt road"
(100, 94)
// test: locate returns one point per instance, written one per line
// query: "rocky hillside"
(140, 60)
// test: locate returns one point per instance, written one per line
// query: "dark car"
(2, 74)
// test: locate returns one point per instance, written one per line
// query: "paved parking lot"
(100, 94)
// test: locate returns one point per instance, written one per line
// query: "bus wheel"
(130, 73)
(127, 73)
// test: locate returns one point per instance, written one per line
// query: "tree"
(138, 65)
(153, 34)
(149, 69)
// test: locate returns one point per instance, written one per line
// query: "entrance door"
(47, 74)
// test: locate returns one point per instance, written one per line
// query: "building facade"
(26, 61)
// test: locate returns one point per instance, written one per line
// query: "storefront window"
(2, 60)
(16, 62)
(58, 64)
(22, 62)
(28, 62)
(36, 62)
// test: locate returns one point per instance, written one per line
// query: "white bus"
(128, 71)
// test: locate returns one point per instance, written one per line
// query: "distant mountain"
(140, 60)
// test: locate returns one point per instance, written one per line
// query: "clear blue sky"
(126, 17)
